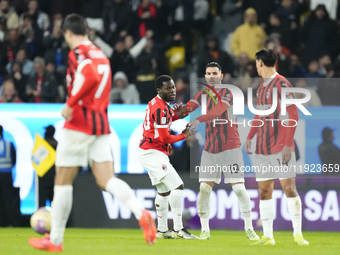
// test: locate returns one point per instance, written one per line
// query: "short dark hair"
(268, 57)
(1, 132)
(214, 64)
(75, 23)
(160, 80)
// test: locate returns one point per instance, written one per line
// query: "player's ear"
(222, 75)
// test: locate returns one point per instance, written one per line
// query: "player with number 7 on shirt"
(85, 136)
(275, 149)
(154, 149)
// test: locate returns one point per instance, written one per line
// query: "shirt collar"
(270, 79)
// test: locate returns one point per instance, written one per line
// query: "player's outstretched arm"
(166, 138)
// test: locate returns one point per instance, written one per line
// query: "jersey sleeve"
(86, 77)
(283, 83)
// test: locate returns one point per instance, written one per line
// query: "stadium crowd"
(146, 38)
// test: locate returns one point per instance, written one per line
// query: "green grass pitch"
(13, 241)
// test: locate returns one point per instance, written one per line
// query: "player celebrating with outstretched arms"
(222, 148)
(275, 149)
(85, 136)
(154, 149)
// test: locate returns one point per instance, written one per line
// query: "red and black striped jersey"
(220, 137)
(271, 135)
(89, 85)
(158, 115)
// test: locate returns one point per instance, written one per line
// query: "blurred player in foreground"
(85, 137)
(222, 148)
(154, 149)
(275, 148)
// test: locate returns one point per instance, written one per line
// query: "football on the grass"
(41, 220)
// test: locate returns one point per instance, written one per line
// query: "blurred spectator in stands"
(162, 27)
(31, 35)
(263, 9)
(319, 34)
(201, 11)
(155, 55)
(54, 43)
(117, 19)
(182, 89)
(20, 6)
(282, 65)
(3, 29)
(8, 13)
(40, 18)
(136, 49)
(324, 60)
(145, 80)
(281, 27)
(329, 88)
(42, 86)
(122, 92)
(329, 153)
(231, 18)
(46, 183)
(20, 80)
(249, 37)
(9, 49)
(146, 14)
(90, 8)
(213, 53)
(62, 89)
(241, 68)
(10, 214)
(27, 65)
(313, 68)
(9, 94)
(295, 68)
(121, 60)
(182, 21)
(314, 100)
(290, 11)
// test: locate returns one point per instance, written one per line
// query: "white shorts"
(162, 174)
(269, 167)
(79, 149)
(229, 162)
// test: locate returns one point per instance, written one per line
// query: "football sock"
(267, 216)
(244, 204)
(122, 191)
(60, 211)
(294, 209)
(162, 207)
(203, 206)
(176, 204)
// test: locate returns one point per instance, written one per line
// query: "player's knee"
(101, 184)
(180, 187)
(265, 193)
(290, 190)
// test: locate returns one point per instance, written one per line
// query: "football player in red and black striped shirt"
(153, 154)
(222, 148)
(85, 136)
(275, 148)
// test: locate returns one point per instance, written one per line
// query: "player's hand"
(181, 110)
(188, 132)
(66, 112)
(192, 125)
(286, 154)
(247, 146)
